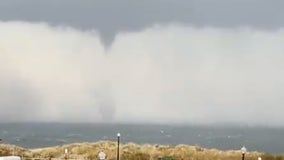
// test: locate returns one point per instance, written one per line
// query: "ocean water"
(34, 135)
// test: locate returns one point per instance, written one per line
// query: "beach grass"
(132, 151)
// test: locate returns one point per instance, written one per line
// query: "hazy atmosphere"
(152, 61)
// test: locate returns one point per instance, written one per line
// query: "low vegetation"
(132, 151)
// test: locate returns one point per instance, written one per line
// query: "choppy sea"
(35, 135)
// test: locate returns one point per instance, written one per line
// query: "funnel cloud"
(128, 61)
(109, 17)
(171, 73)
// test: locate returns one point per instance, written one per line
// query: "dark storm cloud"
(111, 16)
(196, 61)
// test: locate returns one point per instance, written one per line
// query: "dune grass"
(132, 151)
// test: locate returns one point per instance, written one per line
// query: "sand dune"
(128, 151)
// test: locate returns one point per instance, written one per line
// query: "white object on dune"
(102, 155)
(10, 158)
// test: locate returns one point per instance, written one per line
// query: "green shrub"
(279, 158)
(135, 156)
(166, 158)
(272, 157)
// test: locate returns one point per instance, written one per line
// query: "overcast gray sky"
(154, 61)
(112, 16)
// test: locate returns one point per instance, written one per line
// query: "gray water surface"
(34, 135)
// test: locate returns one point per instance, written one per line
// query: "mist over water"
(161, 74)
